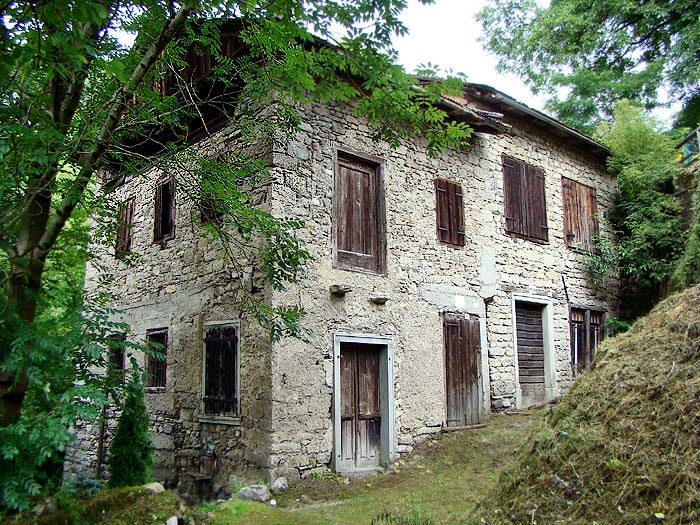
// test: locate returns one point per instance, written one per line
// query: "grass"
(441, 483)
(130, 505)
(623, 445)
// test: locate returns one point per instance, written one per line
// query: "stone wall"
(424, 277)
(286, 389)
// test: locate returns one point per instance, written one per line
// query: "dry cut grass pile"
(623, 445)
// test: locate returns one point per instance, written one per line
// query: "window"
(449, 212)
(221, 369)
(124, 225)
(359, 215)
(586, 334)
(209, 210)
(164, 223)
(115, 344)
(157, 341)
(580, 214)
(524, 201)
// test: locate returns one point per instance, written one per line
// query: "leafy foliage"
(78, 97)
(646, 217)
(131, 450)
(597, 52)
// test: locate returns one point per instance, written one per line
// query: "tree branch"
(63, 212)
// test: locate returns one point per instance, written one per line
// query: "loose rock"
(279, 485)
(255, 493)
(154, 488)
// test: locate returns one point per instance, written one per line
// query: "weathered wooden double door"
(462, 361)
(360, 409)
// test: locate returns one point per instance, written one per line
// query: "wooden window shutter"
(449, 212)
(220, 373)
(536, 214)
(359, 215)
(164, 213)
(513, 196)
(124, 227)
(580, 214)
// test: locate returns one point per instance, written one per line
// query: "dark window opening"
(359, 215)
(449, 212)
(115, 344)
(124, 227)
(156, 360)
(221, 370)
(210, 210)
(524, 200)
(164, 223)
(580, 215)
(586, 334)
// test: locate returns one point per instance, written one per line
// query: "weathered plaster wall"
(180, 285)
(287, 389)
(423, 278)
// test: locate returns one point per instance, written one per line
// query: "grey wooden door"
(528, 321)
(462, 357)
(360, 411)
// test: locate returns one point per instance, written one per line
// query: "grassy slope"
(623, 446)
(443, 481)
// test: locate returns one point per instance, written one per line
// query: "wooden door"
(462, 357)
(528, 321)
(360, 414)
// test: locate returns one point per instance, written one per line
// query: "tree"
(131, 450)
(646, 218)
(76, 100)
(598, 51)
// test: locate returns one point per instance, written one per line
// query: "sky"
(445, 34)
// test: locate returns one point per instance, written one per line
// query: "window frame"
(116, 358)
(573, 195)
(159, 235)
(340, 260)
(588, 351)
(125, 227)
(205, 417)
(152, 383)
(522, 224)
(449, 212)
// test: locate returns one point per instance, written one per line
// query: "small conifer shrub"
(131, 451)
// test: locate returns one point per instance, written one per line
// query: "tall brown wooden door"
(528, 321)
(462, 357)
(360, 414)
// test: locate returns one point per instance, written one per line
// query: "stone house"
(440, 289)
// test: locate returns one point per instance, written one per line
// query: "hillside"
(623, 446)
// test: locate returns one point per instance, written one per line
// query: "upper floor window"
(156, 364)
(449, 212)
(359, 215)
(221, 359)
(124, 226)
(164, 220)
(580, 214)
(524, 200)
(690, 147)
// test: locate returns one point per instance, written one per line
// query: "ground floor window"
(156, 363)
(586, 334)
(221, 361)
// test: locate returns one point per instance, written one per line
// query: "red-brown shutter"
(513, 196)
(536, 214)
(126, 220)
(158, 214)
(449, 212)
(220, 395)
(359, 215)
(580, 214)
